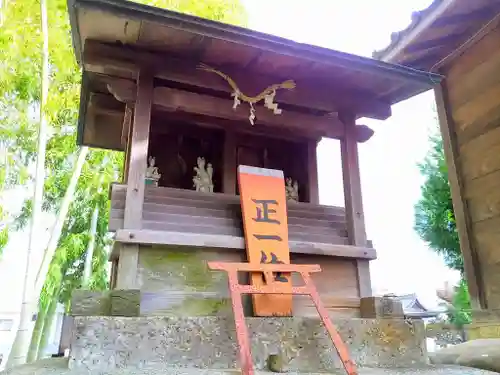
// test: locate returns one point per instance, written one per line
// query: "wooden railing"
(189, 212)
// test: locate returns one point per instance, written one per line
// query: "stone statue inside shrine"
(292, 190)
(203, 179)
(152, 174)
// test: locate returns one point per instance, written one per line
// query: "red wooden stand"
(271, 287)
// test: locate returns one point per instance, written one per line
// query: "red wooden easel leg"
(241, 327)
(337, 341)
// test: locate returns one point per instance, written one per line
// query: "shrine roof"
(152, 29)
(437, 31)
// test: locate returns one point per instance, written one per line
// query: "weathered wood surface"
(90, 303)
(473, 91)
(177, 281)
(355, 220)
(175, 100)
(137, 163)
(312, 172)
(471, 261)
(125, 302)
(216, 218)
(121, 61)
(380, 307)
(266, 232)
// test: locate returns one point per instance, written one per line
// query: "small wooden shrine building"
(460, 40)
(185, 91)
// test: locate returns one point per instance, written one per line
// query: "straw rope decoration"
(267, 95)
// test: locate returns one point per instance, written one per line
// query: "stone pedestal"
(380, 307)
(105, 343)
(485, 325)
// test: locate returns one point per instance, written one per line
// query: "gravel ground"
(59, 366)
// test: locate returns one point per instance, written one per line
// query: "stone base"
(59, 366)
(486, 330)
(105, 343)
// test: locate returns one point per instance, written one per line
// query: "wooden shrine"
(189, 101)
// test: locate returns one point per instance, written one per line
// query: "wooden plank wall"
(473, 99)
(176, 281)
(177, 210)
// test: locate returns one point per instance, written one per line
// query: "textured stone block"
(486, 316)
(489, 330)
(90, 303)
(125, 302)
(101, 343)
(380, 307)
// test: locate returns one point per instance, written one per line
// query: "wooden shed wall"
(472, 90)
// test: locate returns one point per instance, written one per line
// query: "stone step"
(59, 366)
(104, 343)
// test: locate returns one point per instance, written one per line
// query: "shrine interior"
(177, 143)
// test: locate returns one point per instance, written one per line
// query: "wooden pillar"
(139, 140)
(353, 200)
(312, 172)
(471, 261)
(126, 135)
(229, 164)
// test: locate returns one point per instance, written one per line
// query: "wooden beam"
(352, 184)
(184, 101)
(139, 141)
(485, 30)
(229, 164)
(353, 199)
(127, 141)
(127, 121)
(227, 125)
(174, 100)
(445, 40)
(134, 201)
(471, 259)
(105, 104)
(124, 62)
(478, 16)
(152, 237)
(103, 122)
(312, 172)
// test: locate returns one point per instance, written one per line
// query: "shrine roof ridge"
(437, 33)
(258, 40)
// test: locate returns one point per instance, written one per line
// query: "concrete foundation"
(60, 367)
(103, 343)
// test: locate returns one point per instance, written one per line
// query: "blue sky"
(390, 178)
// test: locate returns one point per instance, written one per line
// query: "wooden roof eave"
(243, 36)
(125, 62)
(440, 33)
(401, 40)
(416, 81)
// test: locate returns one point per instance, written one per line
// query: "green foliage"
(20, 87)
(227, 11)
(4, 230)
(435, 223)
(460, 313)
(4, 238)
(434, 217)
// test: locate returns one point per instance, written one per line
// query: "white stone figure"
(152, 173)
(292, 190)
(203, 179)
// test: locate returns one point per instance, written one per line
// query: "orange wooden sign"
(263, 205)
